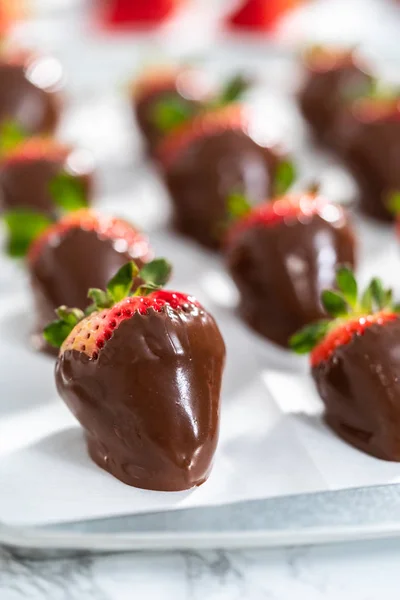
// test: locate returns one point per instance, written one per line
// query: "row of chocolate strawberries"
(357, 116)
(273, 250)
(156, 424)
(221, 181)
(36, 169)
(139, 366)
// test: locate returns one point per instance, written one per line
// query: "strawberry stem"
(343, 305)
(153, 276)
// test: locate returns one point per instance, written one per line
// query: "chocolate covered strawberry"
(41, 174)
(332, 76)
(142, 374)
(370, 141)
(66, 258)
(281, 255)
(166, 98)
(208, 159)
(355, 363)
(30, 91)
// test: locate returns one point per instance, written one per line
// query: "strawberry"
(260, 15)
(142, 372)
(81, 250)
(30, 91)
(367, 135)
(355, 364)
(41, 174)
(332, 75)
(166, 98)
(208, 159)
(280, 255)
(126, 14)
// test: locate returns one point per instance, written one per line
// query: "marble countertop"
(357, 571)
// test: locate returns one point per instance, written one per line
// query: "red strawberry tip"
(204, 124)
(292, 206)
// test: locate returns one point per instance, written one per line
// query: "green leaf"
(71, 316)
(146, 288)
(366, 303)
(381, 90)
(396, 308)
(68, 192)
(359, 88)
(285, 175)
(56, 332)
(101, 299)
(237, 206)
(388, 298)
(169, 113)
(23, 227)
(378, 293)
(156, 273)
(334, 303)
(11, 135)
(120, 285)
(393, 202)
(307, 338)
(233, 90)
(347, 284)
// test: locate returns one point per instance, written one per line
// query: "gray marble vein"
(359, 571)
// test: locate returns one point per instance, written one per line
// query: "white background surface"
(364, 571)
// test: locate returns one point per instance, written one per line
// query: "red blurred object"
(260, 15)
(132, 13)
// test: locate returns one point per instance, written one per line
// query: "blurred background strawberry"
(260, 15)
(136, 13)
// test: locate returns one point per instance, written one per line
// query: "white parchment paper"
(273, 441)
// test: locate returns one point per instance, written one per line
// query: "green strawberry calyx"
(171, 111)
(129, 280)
(343, 304)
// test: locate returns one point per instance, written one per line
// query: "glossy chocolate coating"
(35, 108)
(26, 184)
(150, 403)
(65, 270)
(281, 270)
(204, 175)
(359, 387)
(374, 157)
(323, 95)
